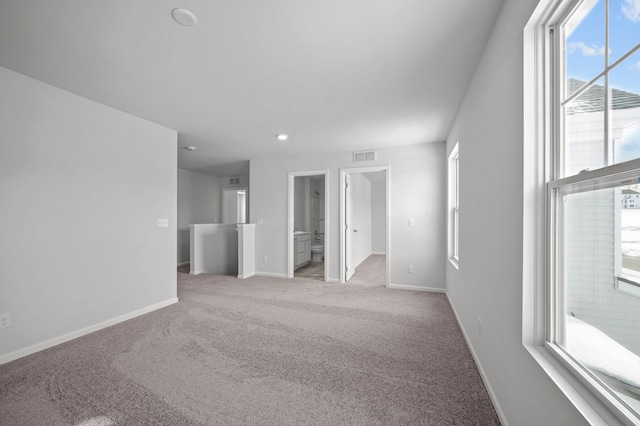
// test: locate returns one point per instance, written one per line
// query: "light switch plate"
(163, 223)
(5, 320)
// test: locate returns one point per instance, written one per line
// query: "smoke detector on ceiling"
(184, 17)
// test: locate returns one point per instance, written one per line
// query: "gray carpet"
(371, 272)
(261, 351)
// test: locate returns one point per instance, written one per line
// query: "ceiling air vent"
(360, 156)
(234, 181)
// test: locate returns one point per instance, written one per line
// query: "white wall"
(300, 220)
(378, 216)
(82, 186)
(199, 201)
(215, 249)
(361, 211)
(488, 284)
(243, 181)
(417, 181)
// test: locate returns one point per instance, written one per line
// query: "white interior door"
(349, 261)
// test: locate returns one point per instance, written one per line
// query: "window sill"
(628, 286)
(588, 404)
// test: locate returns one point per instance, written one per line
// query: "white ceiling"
(336, 75)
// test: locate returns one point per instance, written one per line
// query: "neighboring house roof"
(630, 191)
(592, 99)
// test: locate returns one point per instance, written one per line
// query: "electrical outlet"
(163, 223)
(264, 259)
(412, 222)
(5, 320)
(411, 269)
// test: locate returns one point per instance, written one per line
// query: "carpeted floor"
(261, 351)
(371, 272)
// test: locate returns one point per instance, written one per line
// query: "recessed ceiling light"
(283, 137)
(190, 148)
(184, 17)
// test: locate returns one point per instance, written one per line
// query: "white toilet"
(317, 251)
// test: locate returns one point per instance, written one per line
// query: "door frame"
(343, 173)
(290, 219)
(349, 257)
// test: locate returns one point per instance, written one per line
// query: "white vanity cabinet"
(302, 248)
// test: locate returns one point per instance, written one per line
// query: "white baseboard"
(485, 380)
(199, 271)
(416, 288)
(379, 253)
(271, 274)
(242, 277)
(333, 280)
(82, 332)
(183, 263)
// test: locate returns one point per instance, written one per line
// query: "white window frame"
(540, 126)
(453, 214)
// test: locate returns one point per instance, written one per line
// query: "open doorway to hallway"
(234, 205)
(364, 237)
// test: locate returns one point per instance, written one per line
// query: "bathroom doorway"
(364, 225)
(308, 254)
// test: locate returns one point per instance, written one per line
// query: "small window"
(454, 214)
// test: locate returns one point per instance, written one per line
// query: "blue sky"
(585, 44)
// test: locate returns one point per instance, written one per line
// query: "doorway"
(308, 221)
(234, 205)
(364, 224)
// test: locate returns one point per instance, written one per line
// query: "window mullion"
(614, 172)
(556, 89)
(608, 150)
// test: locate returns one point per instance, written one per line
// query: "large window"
(454, 214)
(592, 122)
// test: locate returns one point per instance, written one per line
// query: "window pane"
(584, 44)
(625, 109)
(599, 321)
(453, 222)
(624, 27)
(630, 237)
(456, 187)
(455, 233)
(584, 146)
